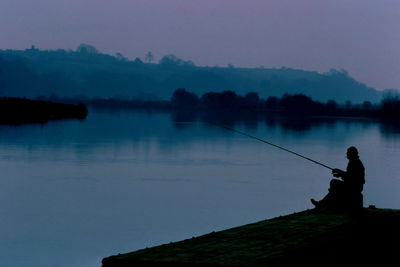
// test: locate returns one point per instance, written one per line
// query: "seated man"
(346, 193)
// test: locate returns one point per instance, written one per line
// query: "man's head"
(352, 153)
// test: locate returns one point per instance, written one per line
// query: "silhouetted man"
(345, 193)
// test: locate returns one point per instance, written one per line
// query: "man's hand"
(337, 172)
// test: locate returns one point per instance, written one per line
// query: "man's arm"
(339, 173)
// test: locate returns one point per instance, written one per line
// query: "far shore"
(23, 110)
(187, 104)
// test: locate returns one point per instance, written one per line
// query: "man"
(345, 193)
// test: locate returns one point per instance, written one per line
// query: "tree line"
(289, 104)
(183, 100)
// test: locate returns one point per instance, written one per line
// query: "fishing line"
(269, 143)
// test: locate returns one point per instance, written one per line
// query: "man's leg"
(332, 199)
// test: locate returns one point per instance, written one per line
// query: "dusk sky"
(361, 36)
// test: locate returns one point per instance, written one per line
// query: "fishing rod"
(269, 143)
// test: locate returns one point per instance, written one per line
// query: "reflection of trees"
(296, 124)
(390, 127)
(181, 116)
(390, 106)
(251, 120)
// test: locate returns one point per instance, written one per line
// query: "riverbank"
(22, 110)
(316, 239)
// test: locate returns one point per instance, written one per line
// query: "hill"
(369, 238)
(87, 72)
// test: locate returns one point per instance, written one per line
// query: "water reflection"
(114, 128)
(390, 128)
(138, 179)
(252, 120)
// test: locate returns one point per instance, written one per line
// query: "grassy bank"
(370, 237)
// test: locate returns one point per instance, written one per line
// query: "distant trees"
(210, 100)
(120, 56)
(87, 49)
(296, 104)
(348, 104)
(333, 72)
(331, 105)
(18, 80)
(251, 100)
(138, 61)
(172, 60)
(149, 57)
(33, 48)
(390, 105)
(299, 104)
(224, 100)
(229, 100)
(182, 99)
(252, 97)
(272, 103)
(114, 76)
(366, 105)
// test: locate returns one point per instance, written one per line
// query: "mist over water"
(73, 192)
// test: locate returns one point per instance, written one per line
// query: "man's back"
(355, 174)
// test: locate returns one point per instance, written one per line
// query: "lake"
(73, 192)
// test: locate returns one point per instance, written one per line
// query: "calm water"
(73, 192)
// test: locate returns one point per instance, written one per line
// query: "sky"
(360, 36)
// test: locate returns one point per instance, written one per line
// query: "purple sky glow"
(361, 36)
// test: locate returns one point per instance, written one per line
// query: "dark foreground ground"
(308, 238)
